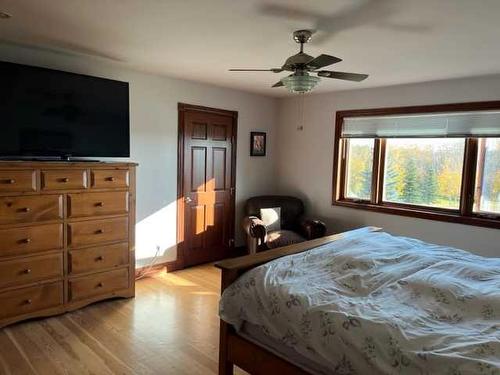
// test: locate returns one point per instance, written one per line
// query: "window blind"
(432, 125)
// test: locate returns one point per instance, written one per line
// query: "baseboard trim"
(146, 270)
(176, 265)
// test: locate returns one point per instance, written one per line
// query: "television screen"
(49, 113)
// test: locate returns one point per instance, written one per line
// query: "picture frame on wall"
(257, 144)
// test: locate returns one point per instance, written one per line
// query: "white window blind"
(454, 124)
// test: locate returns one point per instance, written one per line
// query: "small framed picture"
(257, 144)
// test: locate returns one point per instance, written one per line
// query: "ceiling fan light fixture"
(300, 83)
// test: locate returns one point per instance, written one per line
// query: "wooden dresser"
(66, 236)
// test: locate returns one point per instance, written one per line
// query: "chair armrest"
(312, 229)
(254, 227)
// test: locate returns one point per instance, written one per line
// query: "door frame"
(182, 108)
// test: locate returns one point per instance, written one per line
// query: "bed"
(361, 302)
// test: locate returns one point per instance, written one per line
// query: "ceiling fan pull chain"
(300, 109)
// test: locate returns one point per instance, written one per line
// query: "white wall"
(305, 157)
(153, 111)
(300, 160)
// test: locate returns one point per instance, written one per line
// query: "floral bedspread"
(375, 303)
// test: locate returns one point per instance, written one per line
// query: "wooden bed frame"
(236, 350)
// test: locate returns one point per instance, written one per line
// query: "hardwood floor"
(170, 327)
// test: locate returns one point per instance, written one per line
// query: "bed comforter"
(374, 303)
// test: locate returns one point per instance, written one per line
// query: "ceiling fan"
(302, 64)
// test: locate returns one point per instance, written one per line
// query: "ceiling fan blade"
(274, 70)
(323, 60)
(342, 75)
(278, 84)
(288, 12)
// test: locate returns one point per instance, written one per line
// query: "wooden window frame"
(463, 215)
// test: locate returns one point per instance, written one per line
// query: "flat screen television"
(50, 113)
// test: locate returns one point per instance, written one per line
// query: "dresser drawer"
(64, 179)
(25, 270)
(17, 180)
(109, 178)
(99, 283)
(96, 231)
(27, 300)
(21, 241)
(98, 258)
(26, 209)
(93, 204)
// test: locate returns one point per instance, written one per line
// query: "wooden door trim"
(179, 263)
(182, 107)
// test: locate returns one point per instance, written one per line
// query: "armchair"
(294, 226)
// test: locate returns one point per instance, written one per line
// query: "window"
(424, 171)
(438, 162)
(359, 168)
(487, 192)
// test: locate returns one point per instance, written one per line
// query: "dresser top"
(64, 164)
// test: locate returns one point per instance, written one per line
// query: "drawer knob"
(65, 179)
(100, 285)
(99, 231)
(99, 258)
(25, 209)
(27, 271)
(110, 179)
(9, 181)
(28, 301)
(26, 240)
(99, 204)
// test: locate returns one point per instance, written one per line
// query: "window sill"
(450, 216)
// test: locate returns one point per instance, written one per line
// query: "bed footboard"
(236, 350)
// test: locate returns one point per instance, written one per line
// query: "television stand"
(80, 226)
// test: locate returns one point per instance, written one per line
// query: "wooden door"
(207, 191)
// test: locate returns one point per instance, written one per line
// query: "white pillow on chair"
(271, 218)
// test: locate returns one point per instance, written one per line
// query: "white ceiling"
(395, 41)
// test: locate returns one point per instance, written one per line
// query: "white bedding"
(374, 303)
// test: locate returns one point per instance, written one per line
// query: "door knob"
(187, 200)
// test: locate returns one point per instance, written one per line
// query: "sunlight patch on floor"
(174, 279)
